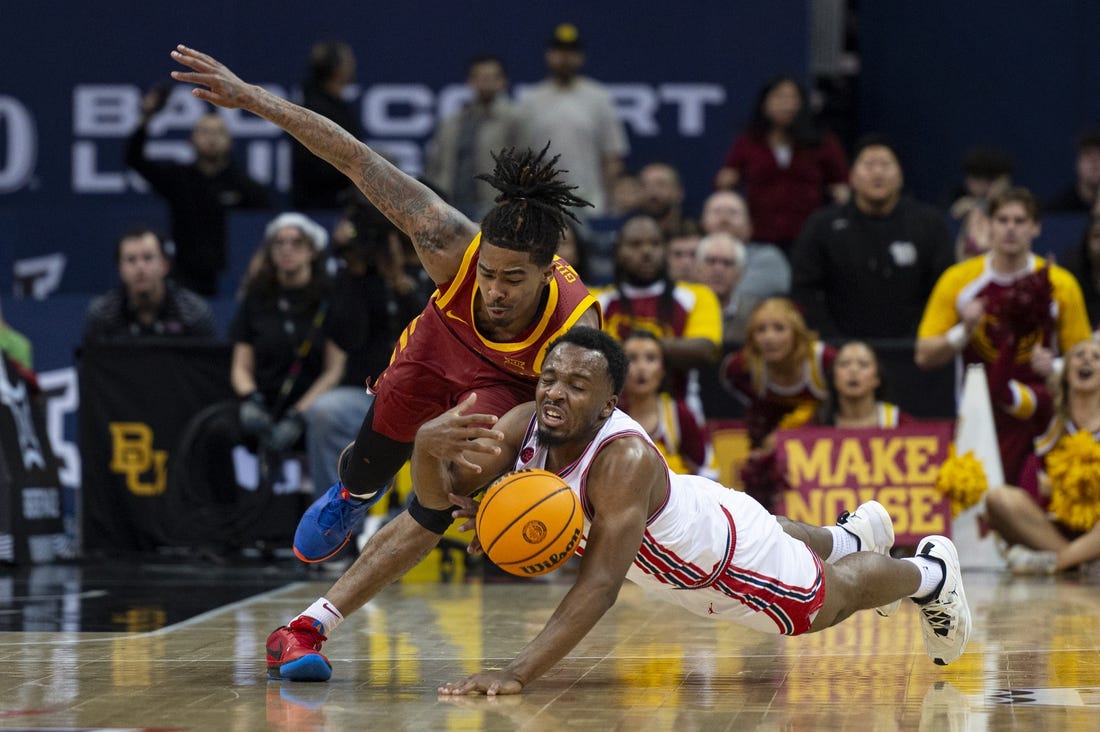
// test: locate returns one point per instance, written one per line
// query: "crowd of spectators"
(801, 260)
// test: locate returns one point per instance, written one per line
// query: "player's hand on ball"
(456, 433)
(466, 509)
(490, 683)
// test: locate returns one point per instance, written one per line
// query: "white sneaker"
(1024, 560)
(945, 617)
(872, 526)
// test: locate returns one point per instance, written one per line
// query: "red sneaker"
(294, 652)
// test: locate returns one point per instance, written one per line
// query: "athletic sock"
(931, 577)
(324, 613)
(844, 543)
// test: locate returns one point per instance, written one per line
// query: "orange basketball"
(529, 522)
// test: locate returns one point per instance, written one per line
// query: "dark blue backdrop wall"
(942, 76)
(74, 73)
(938, 76)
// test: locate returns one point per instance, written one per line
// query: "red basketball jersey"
(441, 357)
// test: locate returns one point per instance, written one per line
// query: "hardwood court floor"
(1032, 663)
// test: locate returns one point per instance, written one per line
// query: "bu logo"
(132, 455)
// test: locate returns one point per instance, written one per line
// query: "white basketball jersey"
(692, 542)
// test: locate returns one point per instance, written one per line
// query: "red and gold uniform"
(887, 416)
(441, 357)
(679, 435)
(1067, 324)
(746, 377)
(1059, 431)
(691, 310)
(890, 415)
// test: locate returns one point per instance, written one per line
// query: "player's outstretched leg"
(294, 652)
(872, 526)
(945, 616)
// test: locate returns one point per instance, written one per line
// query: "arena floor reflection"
(180, 645)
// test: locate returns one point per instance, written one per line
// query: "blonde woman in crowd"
(1052, 524)
(780, 375)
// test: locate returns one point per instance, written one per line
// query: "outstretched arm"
(439, 231)
(621, 484)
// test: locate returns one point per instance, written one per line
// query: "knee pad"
(343, 461)
(435, 520)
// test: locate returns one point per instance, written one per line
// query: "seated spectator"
(626, 195)
(674, 429)
(781, 377)
(720, 264)
(786, 166)
(987, 173)
(684, 315)
(663, 199)
(856, 390)
(866, 269)
(284, 350)
(1084, 264)
(1082, 195)
(767, 272)
(1055, 526)
(379, 289)
(681, 258)
(147, 303)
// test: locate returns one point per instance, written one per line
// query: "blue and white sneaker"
(327, 525)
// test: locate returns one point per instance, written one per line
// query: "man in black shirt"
(146, 303)
(314, 183)
(198, 195)
(865, 269)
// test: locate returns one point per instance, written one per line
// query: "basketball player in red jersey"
(502, 297)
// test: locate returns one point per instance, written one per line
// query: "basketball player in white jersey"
(712, 550)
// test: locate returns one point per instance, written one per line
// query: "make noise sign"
(832, 470)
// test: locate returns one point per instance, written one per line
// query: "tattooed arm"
(439, 231)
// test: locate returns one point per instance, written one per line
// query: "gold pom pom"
(1074, 470)
(800, 415)
(962, 479)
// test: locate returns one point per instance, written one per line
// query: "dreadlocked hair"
(529, 215)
